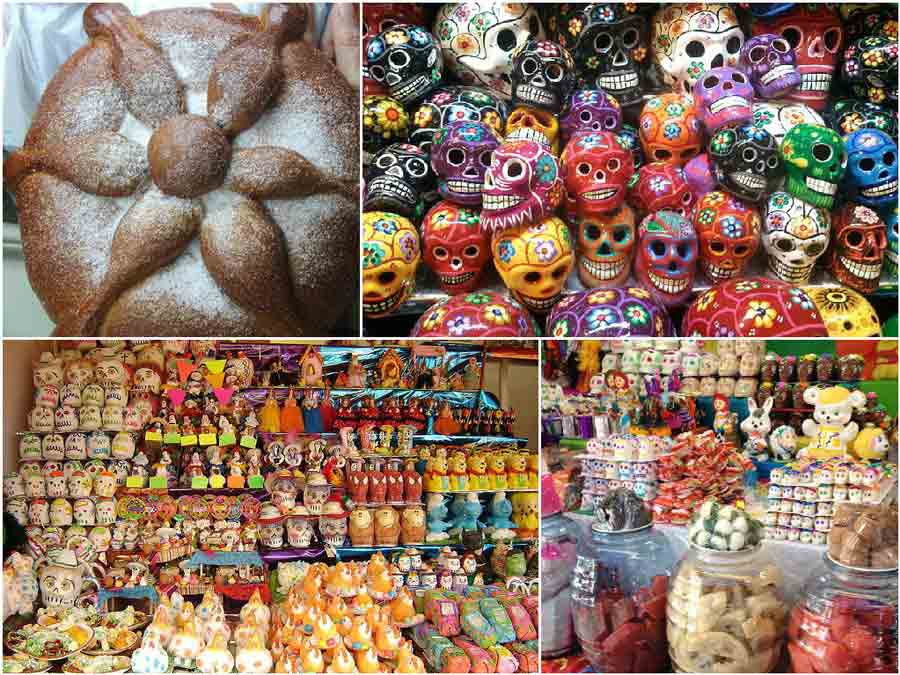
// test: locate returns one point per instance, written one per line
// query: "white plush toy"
(830, 429)
(757, 426)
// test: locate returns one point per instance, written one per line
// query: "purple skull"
(723, 96)
(591, 110)
(771, 64)
(666, 261)
(699, 176)
(460, 155)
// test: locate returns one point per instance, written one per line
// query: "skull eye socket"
(793, 35)
(866, 164)
(772, 162)
(717, 247)
(832, 39)
(710, 82)
(585, 116)
(661, 154)
(630, 38)
(471, 251)
(621, 234)
(532, 277)
(741, 250)
(854, 238)
(529, 66)
(603, 42)
(387, 277)
(416, 167)
(377, 72)
(757, 54)
(739, 78)
(733, 46)
(513, 169)
(554, 72)
(559, 272)
(686, 198)
(386, 160)
(683, 251)
(813, 249)
(440, 253)
(485, 158)
(822, 152)
(614, 164)
(657, 248)
(888, 158)
(456, 156)
(506, 39)
(749, 155)
(695, 49)
(610, 122)
(583, 169)
(398, 59)
(592, 231)
(781, 46)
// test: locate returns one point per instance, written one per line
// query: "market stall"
(270, 505)
(706, 505)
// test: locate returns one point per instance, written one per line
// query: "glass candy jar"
(725, 612)
(619, 599)
(845, 621)
(559, 541)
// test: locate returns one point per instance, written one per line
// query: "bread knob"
(189, 156)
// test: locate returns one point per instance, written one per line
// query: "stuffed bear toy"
(831, 429)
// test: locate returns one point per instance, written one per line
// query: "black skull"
(455, 103)
(543, 75)
(396, 180)
(407, 59)
(745, 161)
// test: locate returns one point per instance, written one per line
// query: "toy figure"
(516, 471)
(477, 466)
(394, 481)
(215, 461)
(471, 511)
(270, 415)
(392, 413)
(436, 475)
(413, 415)
(377, 484)
(871, 444)
(315, 455)
(368, 438)
(187, 427)
(291, 420)
(206, 427)
(195, 467)
(430, 414)
(345, 416)
(327, 411)
(457, 510)
(445, 424)
(509, 422)
(830, 429)
(723, 419)
(358, 482)
(412, 482)
(437, 512)
(497, 471)
(783, 443)
(385, 436)
(368, 412)
(251, 424)
(356, 373)
(312, 416)
(472, 374)
(757, 426)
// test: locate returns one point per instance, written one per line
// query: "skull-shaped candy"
(93, 394)
(17, 507)
(112, 372)
(857, 250)
(271, 535)
(606, 248)
(333, 528)
(522, 186)
(299, 532)
(60, 513)
(79, 372)
(70, 395)
(56, 484)
(795, 235)
(870, 68)
(379, 17)
(113, 417)
(48, 371)
(591, 110)
(596, 170)
(53, 446)
(661, 186)
(534, 262)
(728, 230)
(670, 130)
(651, 362)
(41, 419)
(723, 96)
(815, 162)
(89, 418)
(66, 419)
(745, 161)
(390, 258)
(315, 493)
(146, 380)
(455, 247)
(460, 155)
(397, 179)
(84, 511)
(666, 257)
(771, 64)
(532, 124)
(406, 58)
(871, 177)
(543, 75)
(779, 117)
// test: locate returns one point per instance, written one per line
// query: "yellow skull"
(534, 262)
(525, 121)
(845, 312)
(391, 253)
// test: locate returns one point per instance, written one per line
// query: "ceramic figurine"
(501, 509)
(291, 420)
(356, 373)
(437, 512)
(312, 415)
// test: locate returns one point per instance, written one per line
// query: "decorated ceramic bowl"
(477, 314)
(609, 312)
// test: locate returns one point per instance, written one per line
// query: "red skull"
(380, 16)
(814, 32)
(596, 169)
(857, 247)
(729, 232)
(455, 246)
(661, 186)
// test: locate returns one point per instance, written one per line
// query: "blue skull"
(871, 177)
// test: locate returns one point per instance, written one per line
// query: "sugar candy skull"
(596, 170)
(407, 60)
(728, 231)
(460, 155)
(84, 512)
(390, 258)
(666, 258)
(745, 161)
(455, 247)
(522, 186)
(56, 484)
(533, 124)
(771, 64)
(857, 248)
(543, 75)
(534, 262)
(112, 372)
(815, 35)
(113, 417)
(606, 248)
(89, 418)
(661, 186)
(723, 96)
(690, 39)
(478, 40)
(41, 419)
(591, 110)
(795, 235)
(106, 511)
(79, 372)
(814, 162)
(779, 117)
(396, 180)
(300, 532)
(99, 446)
(66, 419)
(70, 395)
(146, 380)
(871, 177)
(48, 371)
(60, 513)
(93, 394)
(669, 129)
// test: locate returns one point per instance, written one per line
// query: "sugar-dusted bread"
(192, 172)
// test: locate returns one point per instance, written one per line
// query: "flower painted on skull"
(600, 318)
(386, 226)
(496, 314)
(732, 227)
(459, 324)
(672, 131)
(601, 296)
(373, 254)
(545, 169)
(799, 297)
(706, 299)
(659, 184)
(409, 245)
(762, 313)
(636, 315)
(478, 298)
(434, 318)
(506, 250)
(545, 250)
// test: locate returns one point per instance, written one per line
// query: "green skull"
(814, 161)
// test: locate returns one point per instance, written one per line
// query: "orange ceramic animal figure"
(381, 587)
(311, 658)
(478, 479)
(497, 471)
(361, 603)
(387, 640)
(341, 661)
(360, 637)
(325, 633)
(340, 614)
(459, 476)
(407, 662)
(402, 608)
(436, 475)
(516, 471)
(367, 661)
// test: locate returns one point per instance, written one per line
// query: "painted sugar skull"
(543, 75)
(795, 235)
(690, 39)
(146, 380)
(814, 162)
(39, 512)
(84, 512)
(79, 372)
(60, 512)
(455, 247)
(385, 121)
(728, 231)
(534, 262)
(53, 446)
(48, 371)
(112, 372)
(70, 395)
(857, 248)
(846, 313)
(591, 110)
(870, 68)
(300, 532)
(460, 155)
(723, 96)
(522, 186)
(745, 161)
(606, 247)
(533, 124)
(106, 511)
(661, 186)
(93, 394)
(89, 418)
(406, 59)
(596, 170)
(478, 40)
(871, 177)
(41, 419)
(66, 419)
(670, 130)
(396, 180)
(56, 484)
(455, 103)
(390, 258)
(815, 35)
(666, 258)
(850, 114)
(771, 64)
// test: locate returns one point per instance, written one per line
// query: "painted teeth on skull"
(604, 271)
(457, 279)
(777, 73)
(496, 202)
(795, 274)
(862, 270)
(386, 304)
(822, 186)
(716, 274)
(748, 180)
(537, 303)
(880, 190)
(668, 285)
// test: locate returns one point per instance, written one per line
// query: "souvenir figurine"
(291, 421)
(460, 155)
(312, 416)
(666, 257)
(857, 252)
(437, 512)
(407, 60)
(356, 373)
(670, 130)
(812, 157)
(830, 428)
(771, 65)
(745, 161)
(270, 415)
(396, 181)
(723, 96)
(728, 231)
(795, 235)
(757, 426)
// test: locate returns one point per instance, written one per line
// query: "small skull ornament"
(407, 59)
(606, 248)
(455, 103)
(390, 258)
(871, 177)
(112, 372)
(870, 68)
(397, 179)
(729, 231)
(661, 186)
(771, 64)
(815, 161)
(379, 17)
(795, 235)
(146, 380)
(533, 124)
(670, 130)
(591, 110)
(543, 75)
(745, 161)
(534, 262)
(79, 372)
(857, 250)
(460, 155)
(850, 114)
(596, 169)
(666, 259)
(779, 117)
(723, 96)
(455, 247)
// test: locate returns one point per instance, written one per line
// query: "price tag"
(199, 482)
(248, 442)
(189, 440)
(172, 438)
(152, 436)
(256, 482)
(217, 481)
(236, 482)
(207, 439)
(158, 483)
(134, 481)
(227, 439)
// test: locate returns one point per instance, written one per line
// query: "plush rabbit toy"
(757, 426)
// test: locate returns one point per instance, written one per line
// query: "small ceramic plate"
(19, 663)
(98, 664)
(93, 648)
(17, 640)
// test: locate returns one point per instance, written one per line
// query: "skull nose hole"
(456, 263)
(727, 86)
(718, 61)
(605, 249)
(673, 266)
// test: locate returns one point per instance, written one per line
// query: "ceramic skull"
(333, 529)
(661, 186)
(606, 248)
(814, 161)
(728, 230)
(300, 532)
(670, 130)
(522, 186)
(745, 161)
(795, 235)
(723, 96)
(455, 247)
(390, 259)
(407, 60)
(591, 110)
(455, 103)
(379, 17)
(871, 177)
(779, 117)
(890, 255)
(850, 114)
(857, 250)
(596, 170)
(771, 64)
(543, 75)
(534, 262)
(272, 535)
(666, 258)
(870, 68)
(397, 179)
(460, 155)
(533, 124)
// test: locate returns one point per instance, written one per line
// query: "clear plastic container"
(845, 621)
(726, 612)
(619, 600)
(559, 542)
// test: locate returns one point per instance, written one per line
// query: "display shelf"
(181, 492)
(224, 558)
(336, 391)
(289, 554)
(476, 492)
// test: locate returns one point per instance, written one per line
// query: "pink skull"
(460, 156)
(666, 260)
(455, 247)
(723, 96)
(522, 186)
